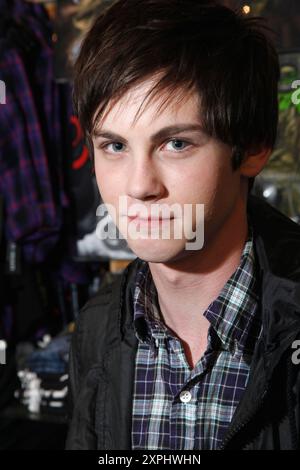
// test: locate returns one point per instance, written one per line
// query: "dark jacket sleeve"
(81, 395)
(94, 329)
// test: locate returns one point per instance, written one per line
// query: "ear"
(254, 162)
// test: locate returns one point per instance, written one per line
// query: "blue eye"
(117, 146)
(178, 144)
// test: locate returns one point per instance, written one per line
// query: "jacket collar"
(277, 240)
(277, 245)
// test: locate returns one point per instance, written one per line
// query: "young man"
(189, 348)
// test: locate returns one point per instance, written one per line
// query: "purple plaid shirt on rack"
(32, 213)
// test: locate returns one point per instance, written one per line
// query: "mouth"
(149, 220)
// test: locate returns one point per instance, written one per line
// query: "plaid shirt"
(175, 407)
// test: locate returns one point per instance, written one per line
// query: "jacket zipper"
(238, 427)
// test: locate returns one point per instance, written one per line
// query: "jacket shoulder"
(98, 325)
(94, 309)
(279, 236)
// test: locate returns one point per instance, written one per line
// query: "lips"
(149, 219)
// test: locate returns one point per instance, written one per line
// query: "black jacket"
(103, 350)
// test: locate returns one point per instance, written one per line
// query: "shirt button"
(185, 396)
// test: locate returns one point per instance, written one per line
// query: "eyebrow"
(160, 135)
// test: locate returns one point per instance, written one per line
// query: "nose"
(144, 181)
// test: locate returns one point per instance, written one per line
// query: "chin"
(157, 251)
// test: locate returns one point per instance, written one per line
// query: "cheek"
(108, 182)
(215, 186)
(222, 198)
(99, 173)
(199, 184)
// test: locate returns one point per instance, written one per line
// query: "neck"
(189, 284)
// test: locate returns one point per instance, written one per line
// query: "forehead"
(138, 108)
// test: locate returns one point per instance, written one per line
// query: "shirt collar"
(234, 314)
(148, 320)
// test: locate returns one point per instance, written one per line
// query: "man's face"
(155, 168)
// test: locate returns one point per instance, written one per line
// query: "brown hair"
(228, 58)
